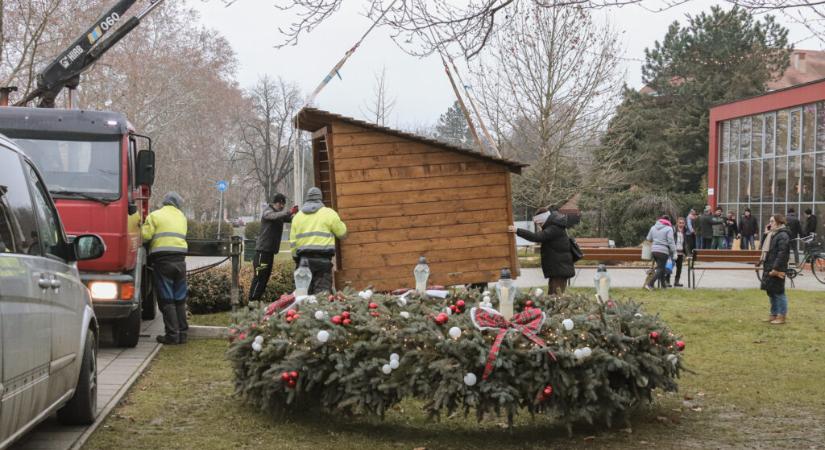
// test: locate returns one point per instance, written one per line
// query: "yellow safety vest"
(316, 232)
(166, 228)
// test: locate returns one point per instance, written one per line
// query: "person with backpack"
(557, 258)
(663, 248)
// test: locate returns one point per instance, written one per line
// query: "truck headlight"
(103, 290)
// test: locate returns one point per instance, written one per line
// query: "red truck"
(101, 184)
(98, 170)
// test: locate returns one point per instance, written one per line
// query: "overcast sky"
(420, 88)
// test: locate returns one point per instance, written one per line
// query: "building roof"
(312, 119)
(805, 66)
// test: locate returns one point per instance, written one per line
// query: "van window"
(17, 204)
(48, 224)
(6, 235)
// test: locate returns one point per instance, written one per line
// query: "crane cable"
(297, 156)
(490, 141)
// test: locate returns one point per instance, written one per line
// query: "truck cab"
(99, 172)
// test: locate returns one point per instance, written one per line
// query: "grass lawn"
(221, 319)
(755, 385)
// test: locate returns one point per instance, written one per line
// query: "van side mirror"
(88, 246)
(145, 168)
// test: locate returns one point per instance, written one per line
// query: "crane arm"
(65, 70)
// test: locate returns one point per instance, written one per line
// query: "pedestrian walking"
(681, 239)
(312, 237)
(165, 231)
(717, 230)
(663, 248)
(706, 229)
(268, 243)
(810, 222)
(731, 230)
(556, 257)
(795, 229)
(748, 230)
(774, 262)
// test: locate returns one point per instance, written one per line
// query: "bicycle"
(814, 254)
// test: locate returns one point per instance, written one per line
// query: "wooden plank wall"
(402, 199)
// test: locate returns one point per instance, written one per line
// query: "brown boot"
(780, 320)
(770, 318)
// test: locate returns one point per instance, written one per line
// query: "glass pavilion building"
(768, 153)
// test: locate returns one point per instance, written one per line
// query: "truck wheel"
(127, 331)
(82, 408)
(148, 302)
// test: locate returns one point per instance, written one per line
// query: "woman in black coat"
(775, 254)
(556, 259)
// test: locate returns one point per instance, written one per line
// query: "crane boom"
(65, 70)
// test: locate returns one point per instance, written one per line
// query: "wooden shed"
(403, 196)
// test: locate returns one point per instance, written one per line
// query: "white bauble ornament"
(322, 336)
(311, 299)
(641, 381)
(394, 357)
(455, 332)
(366, 295)
(486, 299)
(486, 293)
(470, 379)
(256, 346)
(447, 311)
(539, 293)
(578, 354)
(401, 301)
(320, 315)
(637, 315)
(394, 364)
(405, 314)
(586, 352)
(386, 369)
(567, 324)
(259, 339)
(673, 359)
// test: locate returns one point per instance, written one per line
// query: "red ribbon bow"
(528, 323)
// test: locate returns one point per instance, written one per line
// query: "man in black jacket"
(795, 229)
(269, 243)
(706, 228)
(810, 223)
(748, 230)
(556, 258)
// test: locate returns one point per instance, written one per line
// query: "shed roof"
(312, 119)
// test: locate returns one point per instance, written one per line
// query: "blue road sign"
(221, 186)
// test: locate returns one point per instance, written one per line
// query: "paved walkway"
(117, 369)
(709, 279)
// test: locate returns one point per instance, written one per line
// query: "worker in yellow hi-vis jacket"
(312, 237)
(165, 231)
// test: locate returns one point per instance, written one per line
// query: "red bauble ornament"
(528, 303)
(654, 335)
(373, 305)
(454, 308)
(291, 383)
(548, 391)
(242, 336)
(460, 304)
(291, 312)
(442, 318)
(285, 377)
(336, 320)
(289, 319)
(293, 374)
(347, 322)
(295, 316)
(680, 345)
(345, 314)
(374, 314)
(253, 326)
(331, 298)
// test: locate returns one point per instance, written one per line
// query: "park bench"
(587, 242)
(745, 260)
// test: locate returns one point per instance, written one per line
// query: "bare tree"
(381, 106)
(268, 137)
(546, 84)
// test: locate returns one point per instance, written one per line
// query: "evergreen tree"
(716, 57)
(452, 127)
